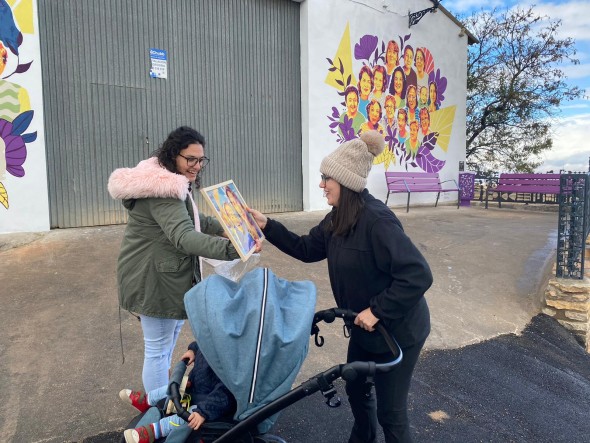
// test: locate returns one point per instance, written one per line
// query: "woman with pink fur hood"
(164, 239)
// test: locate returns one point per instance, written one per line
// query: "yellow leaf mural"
(3, 196)
(441, 121)
(342, 61)
(387, 157)
(23, 15)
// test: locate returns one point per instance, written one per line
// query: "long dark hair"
(346, 214)
(178, 140)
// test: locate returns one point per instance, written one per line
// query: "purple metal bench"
(535, 186)
(409, 182)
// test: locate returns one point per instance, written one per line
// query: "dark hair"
(395, 47)
(381, 69)
(346, 214)
(416, 55)
(408, 47)
(368, 108)
(415, 94)
(404, 82)
(178, 140)
(366, 70)
(349, 90)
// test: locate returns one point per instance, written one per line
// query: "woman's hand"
(259, 217)
(258, 245)
(195, 420)
(190, 355)
(366, 320)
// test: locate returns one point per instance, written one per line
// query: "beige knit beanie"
(351, 162)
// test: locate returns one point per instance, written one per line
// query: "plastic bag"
(232, 270)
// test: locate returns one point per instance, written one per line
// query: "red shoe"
(136, 399)
(139, 435)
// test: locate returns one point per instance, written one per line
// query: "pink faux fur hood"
(147, 179)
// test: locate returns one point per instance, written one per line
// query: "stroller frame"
(321, 382)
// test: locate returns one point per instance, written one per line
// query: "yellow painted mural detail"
(3, 196)
(441, 121)
(343, 55)
(23, 15)
(387, 157)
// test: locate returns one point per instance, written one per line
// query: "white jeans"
(159, 336)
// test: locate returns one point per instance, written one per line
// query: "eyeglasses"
(192, 161)
(325, 178)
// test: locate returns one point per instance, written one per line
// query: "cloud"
(577, 71)
(575, 17)
(575, 14)
(570, 150)
(581, 105)
(466, 6)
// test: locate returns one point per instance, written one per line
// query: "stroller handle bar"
(353, 368)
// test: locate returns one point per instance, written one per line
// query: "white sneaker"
(131, 436)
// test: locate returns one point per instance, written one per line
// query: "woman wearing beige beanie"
(375, 270)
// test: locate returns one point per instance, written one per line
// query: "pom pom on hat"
(351, 162)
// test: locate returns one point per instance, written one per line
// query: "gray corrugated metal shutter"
(233, 74)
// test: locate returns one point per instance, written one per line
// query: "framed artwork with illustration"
(230, 209)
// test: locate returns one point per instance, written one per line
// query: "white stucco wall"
(25, 206)
(323, 23)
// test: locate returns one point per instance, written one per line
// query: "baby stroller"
(255, 336)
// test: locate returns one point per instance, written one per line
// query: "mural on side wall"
(395, 88)
(16, 18)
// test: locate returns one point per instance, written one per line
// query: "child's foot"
(145, 434)
(135, 398)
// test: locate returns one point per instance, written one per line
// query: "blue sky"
(571, 139)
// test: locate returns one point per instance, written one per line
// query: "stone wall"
(568, 301)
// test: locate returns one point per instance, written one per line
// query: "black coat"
(207, 391)
(375, 266)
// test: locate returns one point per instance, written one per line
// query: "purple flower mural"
(410, 91)
(363, 50)
(13, 146)
(14, 141)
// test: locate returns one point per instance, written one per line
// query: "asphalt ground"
(493, 369)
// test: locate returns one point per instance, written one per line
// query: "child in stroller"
(207, 399)
(255, 336)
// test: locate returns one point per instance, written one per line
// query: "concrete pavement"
(60, 355)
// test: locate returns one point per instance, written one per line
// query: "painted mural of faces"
(414, 132)
(408, 58)
(411, 98)
(374, 113)
(423, 96)
(352, 101)
(391, 56)
(433, 97)
(398, 83)
(365, 82)
(390, 108)
(402, 120)
(379, 76)
(424, 121)
(420, 60)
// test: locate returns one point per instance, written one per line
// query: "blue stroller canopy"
(254, 334)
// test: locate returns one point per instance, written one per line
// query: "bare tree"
(515, 85)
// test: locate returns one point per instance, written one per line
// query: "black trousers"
(391, 406)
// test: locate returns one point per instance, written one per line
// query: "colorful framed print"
(230, 209)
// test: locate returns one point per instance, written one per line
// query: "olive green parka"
(159, 258)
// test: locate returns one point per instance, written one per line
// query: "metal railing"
(574, 224)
